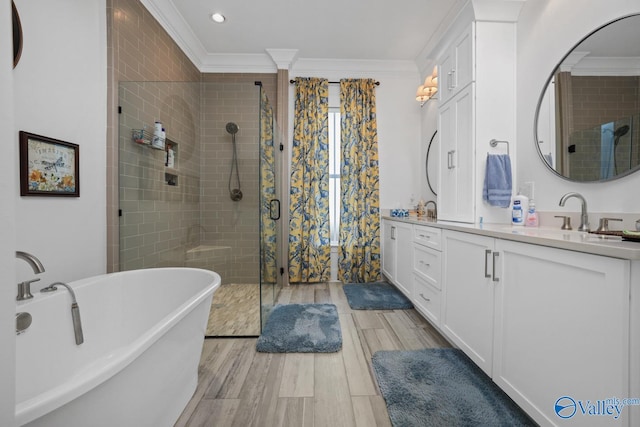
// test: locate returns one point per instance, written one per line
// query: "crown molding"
(621, 66)
(497, 10)
(360, 68)
(283, 58)
(237, 63)
(177, 28)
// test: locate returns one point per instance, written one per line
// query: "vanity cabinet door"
(397, 258)
(468, 295)
(457, 159)
(456, 65)
(389, 249)
(561, 329)
(404, 258)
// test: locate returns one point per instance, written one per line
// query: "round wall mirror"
(588, 118)
(431, 163)
(17, 34)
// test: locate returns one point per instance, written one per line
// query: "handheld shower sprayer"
(236, 193)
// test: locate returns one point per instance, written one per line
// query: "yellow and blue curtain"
(268, 264)
(359, 252)
(309, 242)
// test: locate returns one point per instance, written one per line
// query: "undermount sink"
(596, 237)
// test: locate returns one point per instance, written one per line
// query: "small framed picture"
(48, 167)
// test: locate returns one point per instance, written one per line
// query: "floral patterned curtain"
(359, 259)
(309, 243)
(268, 265)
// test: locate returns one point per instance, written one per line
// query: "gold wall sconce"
(427, 90)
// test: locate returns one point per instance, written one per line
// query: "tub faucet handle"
(24, 290)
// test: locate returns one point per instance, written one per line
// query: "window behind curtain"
(334, 174)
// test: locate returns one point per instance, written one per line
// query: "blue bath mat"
(442, 387)
(375, 296)
(301, 328)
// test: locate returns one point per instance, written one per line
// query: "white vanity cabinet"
(397, 259)
(561, 329)
(477, 104)
(542, 322)
(469, 295)
(427, 271)
(456, 181)
(456, 67)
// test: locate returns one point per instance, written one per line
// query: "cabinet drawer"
(428, 236)
(427, 264)
(426, 299)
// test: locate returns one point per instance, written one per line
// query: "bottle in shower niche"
(158, 138)
(518, 212)
(171, 157)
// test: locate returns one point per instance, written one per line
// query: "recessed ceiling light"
(218, 17)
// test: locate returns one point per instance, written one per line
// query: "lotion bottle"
(518, 212)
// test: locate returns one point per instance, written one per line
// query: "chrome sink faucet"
(24, 288)
(584, 217)
(432, 214)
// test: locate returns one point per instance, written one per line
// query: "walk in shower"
(208, 195)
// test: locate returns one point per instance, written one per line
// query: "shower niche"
(143, 138)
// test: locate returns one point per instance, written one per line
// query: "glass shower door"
(270, 209)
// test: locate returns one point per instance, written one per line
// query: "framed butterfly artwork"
(48, 167)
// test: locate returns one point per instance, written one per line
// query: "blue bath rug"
(442, 387)
(375, 296)
(301, 328)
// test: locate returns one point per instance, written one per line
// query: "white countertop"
(611, 246)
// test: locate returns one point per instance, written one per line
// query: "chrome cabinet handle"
(449, 87)
(425, 298)
(393, 233)
(450, 164)
(425, 236)
(495, 277)
(424, 263)
(487, 252)
(453, 78)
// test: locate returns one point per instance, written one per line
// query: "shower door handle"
(277, 210)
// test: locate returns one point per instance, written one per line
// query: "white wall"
(547, 30)
(399, 117)
(8, 190)
(60, 91)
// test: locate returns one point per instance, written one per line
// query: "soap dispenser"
(532, 215)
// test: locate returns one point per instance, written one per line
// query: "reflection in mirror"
(588, 118)
(431, 163)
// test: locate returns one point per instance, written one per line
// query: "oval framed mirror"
(17, 34)
(431, 164)
(587, 123)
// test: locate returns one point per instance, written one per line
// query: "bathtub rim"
(115, 361)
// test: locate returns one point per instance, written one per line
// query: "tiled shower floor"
(235, 311)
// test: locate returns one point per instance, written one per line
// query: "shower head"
(232, 128)
(620, 132)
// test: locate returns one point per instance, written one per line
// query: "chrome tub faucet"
(24, 288)
(75, 310)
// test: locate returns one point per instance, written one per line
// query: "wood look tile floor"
(240, 387)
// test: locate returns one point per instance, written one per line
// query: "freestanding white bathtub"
(138, 365)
